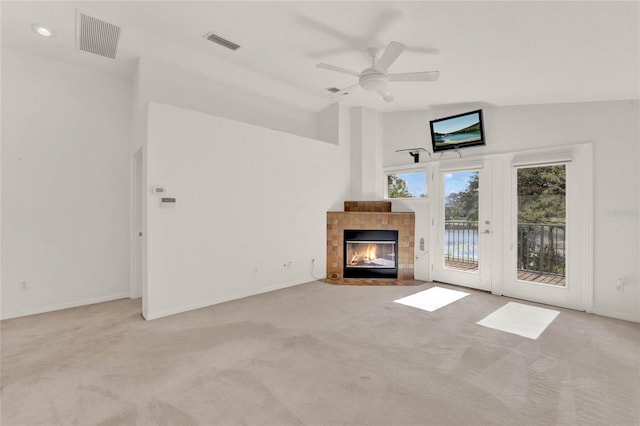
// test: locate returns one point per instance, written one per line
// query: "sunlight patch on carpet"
(432, 299)
(523, 320)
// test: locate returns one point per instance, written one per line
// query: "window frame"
(394, 170)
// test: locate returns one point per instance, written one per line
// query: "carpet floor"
(317, 354)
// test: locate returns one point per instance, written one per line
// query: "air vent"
(96, 36)
(334, 90)
(221, 41)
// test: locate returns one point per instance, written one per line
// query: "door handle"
(486, 231)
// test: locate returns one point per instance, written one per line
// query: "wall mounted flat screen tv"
(457, 131)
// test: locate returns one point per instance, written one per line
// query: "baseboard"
(204, 304)
(616, 315)
(75, 304)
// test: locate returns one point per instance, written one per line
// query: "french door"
(548, 229)
(462, 224)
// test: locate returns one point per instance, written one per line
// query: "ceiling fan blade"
(415, 76)
(338, 69)
(419, 49)
(327, 29)
(391, 53)
(385, 95)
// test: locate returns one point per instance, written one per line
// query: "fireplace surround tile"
(370, 217)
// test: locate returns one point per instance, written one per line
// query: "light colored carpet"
(432, 299)
(523, 320)
(317, 354)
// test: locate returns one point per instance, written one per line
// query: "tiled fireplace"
(367, 244)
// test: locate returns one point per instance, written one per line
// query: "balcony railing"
(541, 247)
(461, 242)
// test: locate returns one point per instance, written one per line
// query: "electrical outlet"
(619, 284)
(23, 286)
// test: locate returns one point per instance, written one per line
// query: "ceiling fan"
(375, 78)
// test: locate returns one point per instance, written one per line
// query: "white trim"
(567, 149)
(211, 302)
(411, 200)
(542, 158)
(61, 306)
(407, 168)
(499, 208)
(462, 165)
(135, 287)
(589, 225)
(615, 314)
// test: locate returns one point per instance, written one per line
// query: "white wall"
(168, 84)
(422, 258)
(249, 200)
(366, 154)
(329, 124)
(612, 127)
(65, 182)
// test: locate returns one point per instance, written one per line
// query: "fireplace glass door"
(370, 254)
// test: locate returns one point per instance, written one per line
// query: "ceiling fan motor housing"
(373, 80)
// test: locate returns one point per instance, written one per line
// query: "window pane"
(461, 220)
(407, 185)
(541, 224)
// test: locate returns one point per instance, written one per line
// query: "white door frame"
(578, 294)
(137, 188)
(501, 186)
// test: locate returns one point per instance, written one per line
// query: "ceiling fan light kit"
(373, 81)
(376, 77)
(385, 95)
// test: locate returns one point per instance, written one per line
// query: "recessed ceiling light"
(42, 30)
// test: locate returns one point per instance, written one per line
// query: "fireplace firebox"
(370, 253)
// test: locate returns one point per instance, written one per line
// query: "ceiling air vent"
(96, 36)
(334, 90)
(221, 41)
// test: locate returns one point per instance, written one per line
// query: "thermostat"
(158, 190)
(167, 202)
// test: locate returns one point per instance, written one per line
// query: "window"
(542, 193)
(407, 184)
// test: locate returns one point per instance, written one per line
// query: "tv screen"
(457, 131)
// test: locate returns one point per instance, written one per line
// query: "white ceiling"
(488, 53)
